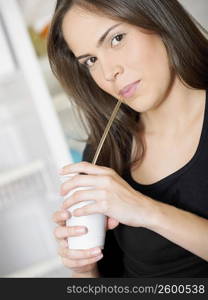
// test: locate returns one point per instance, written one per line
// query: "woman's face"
(126, 55)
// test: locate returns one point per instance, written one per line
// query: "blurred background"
(39, 132)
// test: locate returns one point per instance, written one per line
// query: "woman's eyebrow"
(100, 41)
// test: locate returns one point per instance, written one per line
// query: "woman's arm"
(179, 226)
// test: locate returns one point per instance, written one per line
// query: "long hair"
(187, 49)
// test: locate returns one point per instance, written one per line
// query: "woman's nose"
(111, 72)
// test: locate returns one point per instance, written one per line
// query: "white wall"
(199, 9)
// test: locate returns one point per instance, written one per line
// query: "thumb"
(111, 223)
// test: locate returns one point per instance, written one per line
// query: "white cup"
(95, 223)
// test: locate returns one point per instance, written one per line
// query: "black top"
(139, 252)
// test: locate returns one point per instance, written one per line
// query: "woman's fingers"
(62, 232)
(80, 258)
(86, 180)
(77, 260)
(85, 167)
(81, 262)
(79, 254)
(63, 243)
(80, 196)
(60, 217)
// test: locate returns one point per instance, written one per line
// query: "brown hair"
(187, 49)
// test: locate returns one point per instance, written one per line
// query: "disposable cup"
(95, 223)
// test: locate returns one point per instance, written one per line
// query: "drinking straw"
(108, 126)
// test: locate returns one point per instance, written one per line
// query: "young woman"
(151, 178)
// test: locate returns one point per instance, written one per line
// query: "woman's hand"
(114, 197)
(82, 262)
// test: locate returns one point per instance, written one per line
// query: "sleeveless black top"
(139, 252)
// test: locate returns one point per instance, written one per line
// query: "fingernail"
(81, 230)
(65, 214)
(96, 251)
(99, 257)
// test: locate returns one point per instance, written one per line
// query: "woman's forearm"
(179, 226)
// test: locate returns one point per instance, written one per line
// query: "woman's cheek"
(101, 83)
(96, 78)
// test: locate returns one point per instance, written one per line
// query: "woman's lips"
(129, 90)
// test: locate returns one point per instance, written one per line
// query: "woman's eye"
(116, 39)
(90, 61)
